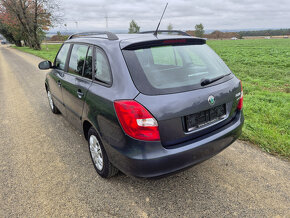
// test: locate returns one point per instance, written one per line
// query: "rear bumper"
(151, 159)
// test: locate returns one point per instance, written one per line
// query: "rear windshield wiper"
(205, 82)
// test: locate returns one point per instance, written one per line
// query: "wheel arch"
(87, 124)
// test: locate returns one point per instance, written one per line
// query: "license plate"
(203, 118)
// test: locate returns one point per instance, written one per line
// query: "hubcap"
(50, 100)
(96, 152)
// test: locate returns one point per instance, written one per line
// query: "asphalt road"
(46, 169)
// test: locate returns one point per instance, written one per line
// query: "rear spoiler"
(164, 42)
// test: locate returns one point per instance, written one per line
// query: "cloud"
(182, 14)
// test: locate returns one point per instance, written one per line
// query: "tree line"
(199, 29)
(279, 32)
(26, 20)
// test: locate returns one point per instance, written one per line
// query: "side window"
(77, 59)
(102, 67)
(88, 71)
(61, 57)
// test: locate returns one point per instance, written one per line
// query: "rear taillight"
(240, 104)
(136, 121)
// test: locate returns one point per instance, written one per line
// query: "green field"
(264, 68)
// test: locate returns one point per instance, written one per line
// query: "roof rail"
(179, 32)
(110, 35)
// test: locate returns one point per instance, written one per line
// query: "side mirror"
(44, 65)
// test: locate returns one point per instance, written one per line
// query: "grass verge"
(47, 52)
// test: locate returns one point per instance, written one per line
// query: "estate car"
(148, 104)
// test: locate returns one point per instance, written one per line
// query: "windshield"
(173, 68)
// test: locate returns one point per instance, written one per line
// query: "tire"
(53, 108)
(99, 156)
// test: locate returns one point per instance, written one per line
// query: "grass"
(47, 52)
(264, 68)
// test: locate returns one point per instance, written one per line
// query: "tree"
(10, 34)
(199, 30)
(217, 34)
(134, 28)
(10, 28)
(33, 17)
(170, 27)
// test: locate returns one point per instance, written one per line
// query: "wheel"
(99, 157)
(53, 108)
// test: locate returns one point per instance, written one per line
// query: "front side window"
(61, 57)
(102, 67)
(77, 59)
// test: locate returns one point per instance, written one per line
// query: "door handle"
(80, 93)
(59, 83)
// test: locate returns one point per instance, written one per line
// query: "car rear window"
(173, 68)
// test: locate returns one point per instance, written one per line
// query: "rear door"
(186, 87)
(56, 77)
(77, 81)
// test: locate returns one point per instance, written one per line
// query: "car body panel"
(72, 89)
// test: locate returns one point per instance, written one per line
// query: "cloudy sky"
(182, 14)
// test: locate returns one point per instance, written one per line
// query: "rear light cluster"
(240, 104)
(136, 121)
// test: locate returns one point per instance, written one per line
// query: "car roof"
(127, 39)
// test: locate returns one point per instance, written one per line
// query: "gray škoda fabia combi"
(149, 105)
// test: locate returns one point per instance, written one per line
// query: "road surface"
(45, 168)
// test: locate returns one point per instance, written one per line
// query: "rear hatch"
(184, 84)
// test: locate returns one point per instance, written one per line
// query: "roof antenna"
(156, 31)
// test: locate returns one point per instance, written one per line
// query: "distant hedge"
(59, 38)
(279, 32)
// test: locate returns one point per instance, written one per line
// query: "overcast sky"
(182, 14)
